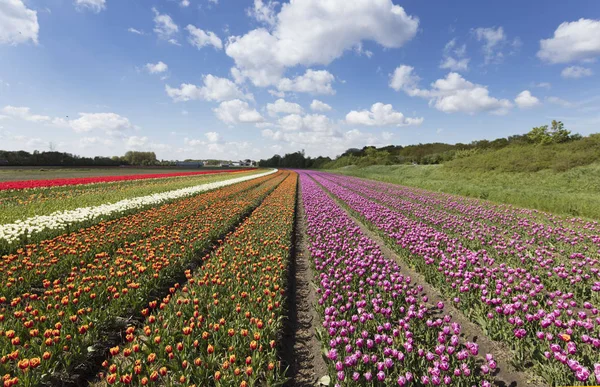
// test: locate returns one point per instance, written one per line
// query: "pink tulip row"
(576, 267)
(378, 328)
(552, 332)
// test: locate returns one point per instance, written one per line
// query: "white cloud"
(264, 12)
(110, 123)
(526, 101)
(212, 136)
(451, 94)
(164, 27)
(282, 106)
(144, 143)
(494, 41)
(136, 142)
(404, 79)
(276, 93)
(313, 82)
(92, 5)
(560, 102)
(455, 64)
(184, 3)
(134, 31)
(381, 115)
(200, 38)
(157, 68)
(316, 32)
(454, 57)
(317, 133)
(545, 85)
(237, 111)
(214, 89)
(572, 41)
(24, 113)
(318, 106)
(387, 136)
(92, 142)
(576, 72)
(18, 24)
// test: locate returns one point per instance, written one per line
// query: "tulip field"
(188, 280)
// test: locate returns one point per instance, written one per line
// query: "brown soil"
(303, 352)
(505, 374)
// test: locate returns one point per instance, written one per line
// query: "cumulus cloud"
(313, 82)
(18, 24)
(264, 12)
(237, 111)
(110, 123)
(164, 27)
(315, 32)
(404, 78)
(200, 38)
(92, 142)
(156, 68)
(317, 133)
(451, 94)
(92, 5)
(319, 106)
(576, 72)
(24, 113)
(282, 106)
(184, 3)
(454, 57)
(212, 136)
(214, 89)
(381, 115)
(526, 101)
(572, 41)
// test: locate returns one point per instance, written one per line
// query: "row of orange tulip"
(222, 327)
(43, 336)
(39, 264)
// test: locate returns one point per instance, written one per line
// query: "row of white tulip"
(60, 220)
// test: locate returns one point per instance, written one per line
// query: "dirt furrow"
(306, 364)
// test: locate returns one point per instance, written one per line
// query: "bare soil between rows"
(302, 351)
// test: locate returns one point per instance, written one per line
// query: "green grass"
(575, 192)
(15, 205)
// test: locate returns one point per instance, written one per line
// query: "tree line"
(53, 158)
(423, 154)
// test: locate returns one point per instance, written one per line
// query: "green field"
(39, 173)
(575, 192)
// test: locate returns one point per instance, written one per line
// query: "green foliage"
(530, 158)
(52, 158)
(140, 158)
(557, 134)
(294, 160)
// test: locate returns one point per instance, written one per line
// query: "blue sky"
(237, 79)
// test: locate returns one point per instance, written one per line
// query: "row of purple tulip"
(552, 331)
(378, 328)
(570, 267)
